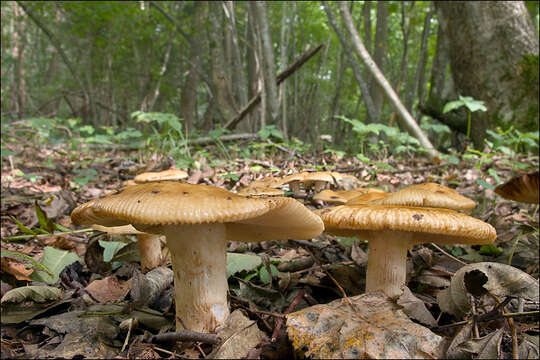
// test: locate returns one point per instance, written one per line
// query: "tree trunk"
(19, 44)
(381, 34)
(188, 96)
(267, 61)
(220, 81)
(493, 46)
(366, 16)
(364, 89)
(252, 65)
(407, 121)
(284, 44)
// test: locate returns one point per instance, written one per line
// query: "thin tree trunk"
(267, 61)
(19, 44)
(252, 65)
(381, 34)
(221, 82)
(284, 40)
(366, 15)
(188, 96)
(362, 84)
(407, 121)
(161, 73)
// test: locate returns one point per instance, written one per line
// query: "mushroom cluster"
(197, 221)
(392, 224)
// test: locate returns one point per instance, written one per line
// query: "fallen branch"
(186, 335)
(279, 79)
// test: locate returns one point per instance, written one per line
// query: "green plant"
(470, 104)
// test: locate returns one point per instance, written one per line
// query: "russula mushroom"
(149, 244)
(294, 181)
(171, 174)
(197, 221)
(392, 229)
(320, 179)
(329, 196)
(523, 188)
(429, 195)
(260, 191)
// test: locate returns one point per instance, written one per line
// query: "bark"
(381, 34)
(284, 43)
(364, 89)
(406, 119)
(252, 65)
(421, 66)
(19, 44)
(492, 50)
(221, 83)
(439, 68)
(366, 16)
(188, 97)
(161, 73)
(267, 61)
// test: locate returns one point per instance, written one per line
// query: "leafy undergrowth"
(87, 300)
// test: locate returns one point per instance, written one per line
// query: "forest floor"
(90, 315)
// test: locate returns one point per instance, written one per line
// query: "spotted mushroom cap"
(171, 174)
(169, 202)
(330, 196)
(428, 195)
(438, 225)
(523, 188)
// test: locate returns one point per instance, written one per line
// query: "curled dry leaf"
(109, 289)
(375, 328)
(477, 279)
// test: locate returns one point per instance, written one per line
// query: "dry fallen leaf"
(16, 268)
(109, 289)
(376, 328)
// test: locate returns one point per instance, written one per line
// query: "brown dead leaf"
(375, 328)
(16, 268)
(109, 289)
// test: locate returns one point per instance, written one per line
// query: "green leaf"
(264, 276)
(55, 260)
(241, 262)
(452, 105)
(45, 223)
(23, 228)
(230, 176)
(484, 184)
(38, 294)
(20, 256)
(110, 248)
(490, 250)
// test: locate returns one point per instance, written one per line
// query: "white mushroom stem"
(319, 185)
(198, 255)
(294, 186)
(150, 250)
(387, 261)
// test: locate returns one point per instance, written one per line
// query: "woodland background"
(393, 92)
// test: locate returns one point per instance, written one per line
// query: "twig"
(185, 335)
(448, 254)
(21, 237)
(279, 322)
(324, 266)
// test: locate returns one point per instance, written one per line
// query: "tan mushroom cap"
(171, 174)
(267, 182)
(330, 196)
(167, 203)
(367, 198)
(428, 195)
(438, 225)
(523, 188)
(294, 177)
(260, 191)
(351, 194)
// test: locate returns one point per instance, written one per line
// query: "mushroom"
(329, 196)
(429, 195)
(320, 179)
(260, 191)
(523, 188)
(149, 244)
(367, 198)
(392, 229)
(197, 221)
(294, 181)
(344, 196)
(171, 174)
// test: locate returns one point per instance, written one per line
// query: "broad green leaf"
(241, 262)
(111, 248)
(55, 260)
(484, 184)
(264, 276)
(39, 294)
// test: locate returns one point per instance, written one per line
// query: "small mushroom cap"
(330, 196)
(169, 203)
(260, 191)
(367, 198)
(327, 176)
(267, 182)
(171, 174)
(351, 194)
(438, 225)
(294, 177)
(523, 188)
(428, 195)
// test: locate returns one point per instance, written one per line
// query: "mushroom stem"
(387, 262)
(198, 256)
(150, 250)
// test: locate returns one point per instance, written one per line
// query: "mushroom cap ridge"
(443, 226)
